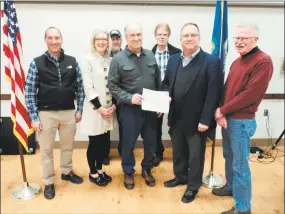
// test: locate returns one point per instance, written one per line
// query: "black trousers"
(135, 121)
(98, 148)
(159, 145)
(188, 156)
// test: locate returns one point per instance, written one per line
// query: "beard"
(115, 49)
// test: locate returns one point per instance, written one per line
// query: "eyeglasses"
(192, 35)
(101, 39)
(243, 39)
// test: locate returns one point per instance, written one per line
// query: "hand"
(170, 100)
(104, 112)
(159, 114)
(78, 117)
(37, 126)
(218, 114)
(137, 99)
(112, 109)
(222, 122)
(202, 127)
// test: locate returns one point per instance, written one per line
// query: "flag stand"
(210, 180)
(25, 191)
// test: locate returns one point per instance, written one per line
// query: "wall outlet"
(266, 112)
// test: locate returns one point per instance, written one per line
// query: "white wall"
(77, 21)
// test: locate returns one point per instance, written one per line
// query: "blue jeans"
(236, 150)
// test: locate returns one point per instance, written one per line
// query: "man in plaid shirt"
(53, 81)
(162, 51)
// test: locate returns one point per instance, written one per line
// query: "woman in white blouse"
(98, 117)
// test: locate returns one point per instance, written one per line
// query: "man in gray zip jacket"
(131, 70)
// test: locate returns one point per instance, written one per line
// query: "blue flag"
(220, 45)
(220, 32)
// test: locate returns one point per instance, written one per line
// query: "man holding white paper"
(131, 70)
(194, 80)
(157, 101)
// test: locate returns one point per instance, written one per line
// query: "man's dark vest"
(56, 91)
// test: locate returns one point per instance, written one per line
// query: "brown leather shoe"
(235, 211)
(129, 181)
(148, 177)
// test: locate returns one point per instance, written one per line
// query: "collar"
(129, 52)
(158, 51)
(252, 51)
(192, 56)
(55, 58)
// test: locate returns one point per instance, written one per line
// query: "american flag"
(14, 72)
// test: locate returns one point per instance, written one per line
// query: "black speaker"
(9, 143)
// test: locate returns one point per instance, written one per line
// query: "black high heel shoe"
(106, 177)
(98, 181)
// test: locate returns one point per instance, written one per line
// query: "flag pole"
(22, 162)
(25, 191)
(210, 180)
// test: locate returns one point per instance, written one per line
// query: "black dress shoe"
(173, 183)
(106, 161)
(49, 191)
(156, 160)
(73, 178)
(189, 196)
(105, 177)
(222, 191)
(99, 181)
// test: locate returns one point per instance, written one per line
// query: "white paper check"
(157, 101)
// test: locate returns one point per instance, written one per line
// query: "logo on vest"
(69, 67)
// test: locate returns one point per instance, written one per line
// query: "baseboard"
(168, 144)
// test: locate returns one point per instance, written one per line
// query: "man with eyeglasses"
(162, 51)
(244, 89)
(194, 80)
(131, 70)
(116, 39)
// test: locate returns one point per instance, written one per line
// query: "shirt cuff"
(35, 119)
(223, 110)
(96, 103)
(114, 101)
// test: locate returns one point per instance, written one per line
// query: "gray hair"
(252, 27)
(96, 33)
(131, 25)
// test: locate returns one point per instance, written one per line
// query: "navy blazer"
(201, 94)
